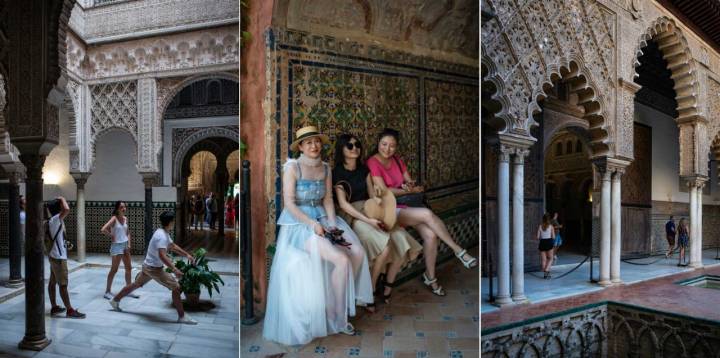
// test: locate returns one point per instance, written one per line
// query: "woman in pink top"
(387, 170)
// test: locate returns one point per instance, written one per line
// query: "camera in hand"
(335, 236)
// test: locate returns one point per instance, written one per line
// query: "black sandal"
(391, 285)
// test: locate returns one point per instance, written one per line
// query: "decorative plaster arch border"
(210, 132)
(573, 69)
(499, 96)
(675, 50)
(9, 154)
(105, 132)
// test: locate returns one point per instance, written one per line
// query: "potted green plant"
(196, 275)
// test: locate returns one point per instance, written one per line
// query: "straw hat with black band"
(305, 133)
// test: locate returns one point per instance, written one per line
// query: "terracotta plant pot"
(193, 299)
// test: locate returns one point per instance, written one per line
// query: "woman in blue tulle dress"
(314, 284)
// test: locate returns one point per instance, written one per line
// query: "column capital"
(80, 179)
(15, 177)
(149, 179)
(520, 154)
(697, 181)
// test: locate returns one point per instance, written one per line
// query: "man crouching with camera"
(57, 210)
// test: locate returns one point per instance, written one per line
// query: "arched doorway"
(209, 178)
(568, 177)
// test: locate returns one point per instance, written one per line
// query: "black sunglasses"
(351, 146)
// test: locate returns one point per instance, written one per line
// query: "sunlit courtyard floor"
(147, 328)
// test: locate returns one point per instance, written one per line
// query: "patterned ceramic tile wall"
(97, 213)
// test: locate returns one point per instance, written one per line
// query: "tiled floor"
(415, 324)
(539, 290)
(147, 328)
(652, 287)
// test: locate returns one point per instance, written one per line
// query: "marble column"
(148, 180)
(503, 260)
(605, 211)
(80, 180)
(518, 258)
(616, 240)
(14, 232)
(35, 338)
(693, 224)
(699, 226)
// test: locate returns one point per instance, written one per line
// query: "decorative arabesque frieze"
(189, 52)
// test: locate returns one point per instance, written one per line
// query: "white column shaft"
(503, 260)
(605, 232)
(80, 215)
(699, 226)
(693, 225)
(616, 242)
(518, 261)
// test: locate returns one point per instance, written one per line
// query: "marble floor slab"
(146, 328)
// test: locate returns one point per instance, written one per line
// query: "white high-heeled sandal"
(472, 262)
(428, 282)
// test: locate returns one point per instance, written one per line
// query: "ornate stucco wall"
(527, 48)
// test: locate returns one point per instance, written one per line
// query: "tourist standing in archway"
(199, 211)
(558, 238)
(229, 212)
(389, 172)
(120, 246)
(683, 240)
(670, 235)
(546, 238)
(315, 278)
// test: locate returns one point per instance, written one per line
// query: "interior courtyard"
(113, 100)
(604, 113)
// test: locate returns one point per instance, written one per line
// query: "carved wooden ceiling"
(702, 16)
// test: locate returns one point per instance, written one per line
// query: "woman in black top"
(387, 251)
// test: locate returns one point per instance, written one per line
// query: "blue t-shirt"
(670, 228)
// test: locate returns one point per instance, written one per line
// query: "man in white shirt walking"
(58, 210)
(152, 268)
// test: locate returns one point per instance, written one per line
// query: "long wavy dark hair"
(116, 211)
(340, 143)
(387, 132)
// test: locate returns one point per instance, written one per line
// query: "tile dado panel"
(604, 329)
(345, 86)
(97, 213)
(661, 212)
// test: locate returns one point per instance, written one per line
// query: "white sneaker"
(186, 320)
(115, 305)
(133, 295)
(108, 296)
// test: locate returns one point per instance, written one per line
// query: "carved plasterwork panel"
(150, 141)
(713, 110)
(687, 149)
(114, 105)
(545, 37)
(191, 50)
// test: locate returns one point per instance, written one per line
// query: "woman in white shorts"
(117, 229)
